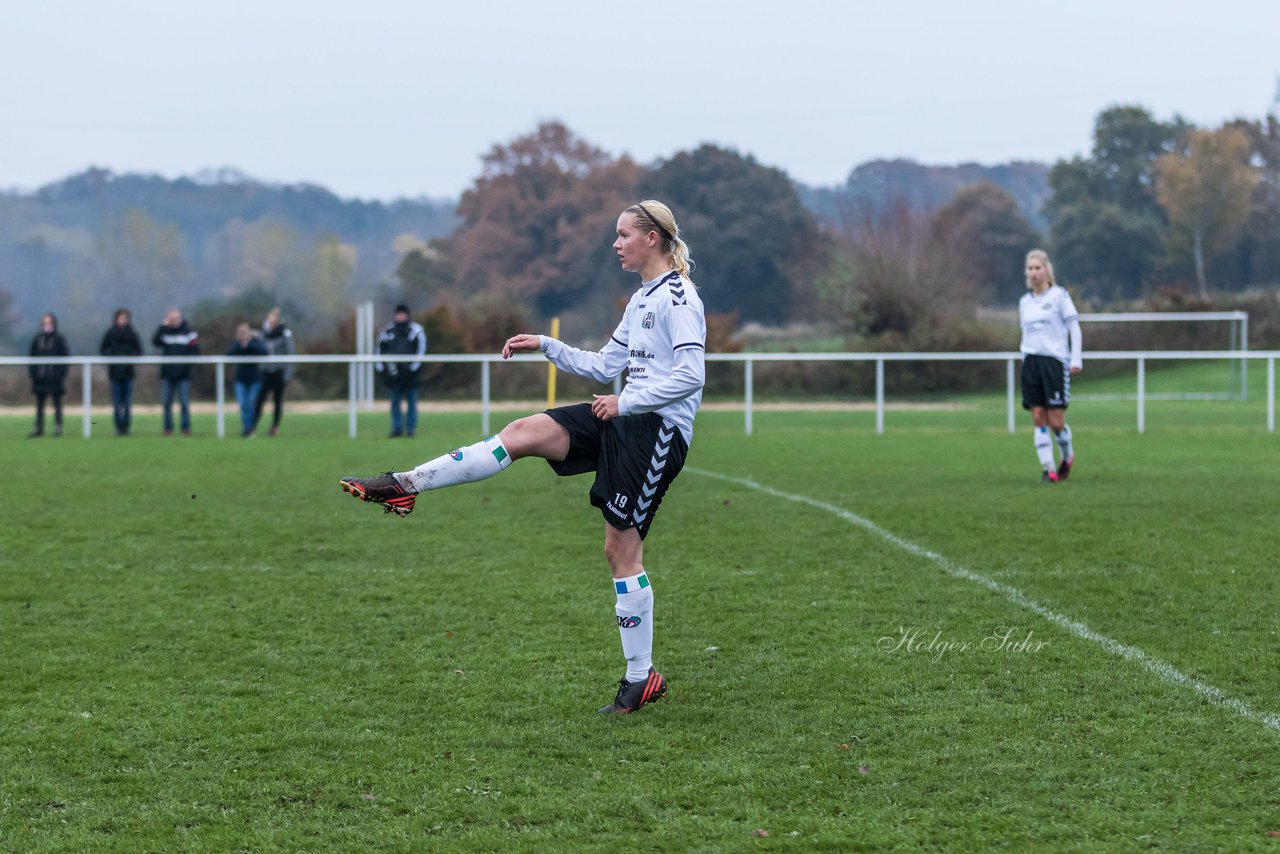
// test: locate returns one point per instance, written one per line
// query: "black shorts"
(1046, 382)
(635, 458)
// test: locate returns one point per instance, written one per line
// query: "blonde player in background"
(1051, 356)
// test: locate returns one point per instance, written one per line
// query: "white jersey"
(1046, 321)
(661, 341)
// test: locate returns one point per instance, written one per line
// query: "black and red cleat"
(1049, 477)
(633, 695)
(1064, 467)
(381, 489)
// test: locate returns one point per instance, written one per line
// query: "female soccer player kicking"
(635, 442)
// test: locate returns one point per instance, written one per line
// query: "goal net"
(1216, 379)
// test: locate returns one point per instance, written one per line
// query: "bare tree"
(898, 278)
(1205, 189)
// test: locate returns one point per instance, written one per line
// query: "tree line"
(85, 245)
(1157, 210)
(1165, 204)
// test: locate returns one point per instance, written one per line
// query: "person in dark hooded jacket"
(49, 381)
(121, 340)
(402, 337)
(176, 338)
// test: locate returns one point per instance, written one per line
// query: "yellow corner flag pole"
(551, 369)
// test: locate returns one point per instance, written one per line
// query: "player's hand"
(605, 406)
(1075, 371)
(521, 343)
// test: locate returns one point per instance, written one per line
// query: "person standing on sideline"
(248, 377)
(402, 337)
(176, 338)
(48, 381)
(635, 442)
(121, 340)
(278, 340)
(1049, 361)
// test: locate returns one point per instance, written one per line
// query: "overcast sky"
(392, 98)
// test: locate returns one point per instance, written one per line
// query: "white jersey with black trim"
(1046, 320)
(661, 341)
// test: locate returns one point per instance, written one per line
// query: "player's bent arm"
(601, 366)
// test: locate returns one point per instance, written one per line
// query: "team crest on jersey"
(649, 318)
(457, 455)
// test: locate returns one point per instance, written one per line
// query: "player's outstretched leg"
(396, 491)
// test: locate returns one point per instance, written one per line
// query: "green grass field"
(206, 646)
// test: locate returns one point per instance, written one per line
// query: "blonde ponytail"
(653, 215)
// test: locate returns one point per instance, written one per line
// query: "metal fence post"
(484, 398)
(1009, 378)
(1271, 395)
(1142, 394)
(747, 384)
(353, 396)
(1244, 363)
(86, 390)
(220, 375)
(879, 395)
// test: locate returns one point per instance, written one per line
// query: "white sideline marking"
(1163, 669)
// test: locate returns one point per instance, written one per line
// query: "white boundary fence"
(748, 361)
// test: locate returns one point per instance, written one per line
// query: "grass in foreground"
(209, 646)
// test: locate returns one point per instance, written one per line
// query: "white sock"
(1044, 448)
(1064, 441)
(635, 624)
(465, 465)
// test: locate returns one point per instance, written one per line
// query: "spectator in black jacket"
(402, 337)
(121, 340)
(176, 338)
(278, 339)
(48, 381)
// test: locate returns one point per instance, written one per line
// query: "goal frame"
(1238, 330)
